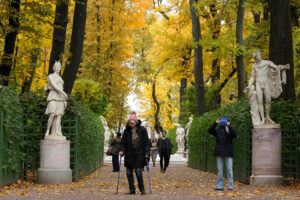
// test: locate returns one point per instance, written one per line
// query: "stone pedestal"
(181, 153)
(54, 162)
(266, 156)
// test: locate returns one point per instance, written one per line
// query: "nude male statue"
(269, 78)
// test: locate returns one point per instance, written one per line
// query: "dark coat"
(135, 157)
(224, 145)
(169, 145)
(116, 145)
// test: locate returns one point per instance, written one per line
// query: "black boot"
(131, 192)
(143, 192)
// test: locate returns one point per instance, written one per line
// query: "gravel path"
(179, 182)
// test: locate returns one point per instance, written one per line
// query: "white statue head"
(179, 125)
(57, 66)
(256, 55)
(191, 119)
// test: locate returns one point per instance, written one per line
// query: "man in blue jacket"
(223, 150)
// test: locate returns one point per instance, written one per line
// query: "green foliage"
(190, 105)
(172, 135)
(24, 123)
(90, 141)
(89, 92)
(12, 128)
(201, 143)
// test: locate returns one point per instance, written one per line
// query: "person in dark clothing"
(136, 148)
(223, 151)
(115, 149)
(165, 148)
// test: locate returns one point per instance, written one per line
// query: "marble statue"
(106, 135)
(56, 103)
(269, 79)
(180, 138)
(102, 119)
(188, 126)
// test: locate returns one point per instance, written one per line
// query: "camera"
(223, 121)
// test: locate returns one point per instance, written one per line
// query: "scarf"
(135, 137)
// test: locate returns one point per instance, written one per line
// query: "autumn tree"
(198, 60)
(240, 50)
(59, 32)
(10, 39)
(76, 45)
(281, 42)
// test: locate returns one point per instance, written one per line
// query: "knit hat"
(119, 134)
(133, 117)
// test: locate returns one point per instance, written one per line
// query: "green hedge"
(11, 130)
(201, 143)
(172, 135)
(24, 124)
(90, 141)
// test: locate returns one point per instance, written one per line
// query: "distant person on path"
(165, 149)
(115, 149)
(136, 148)
(154, 150)
(223, 150)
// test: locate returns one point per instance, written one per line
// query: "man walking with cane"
(136, 148)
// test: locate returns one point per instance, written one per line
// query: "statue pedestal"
(266, 156)
(54, 162)
(181, 153)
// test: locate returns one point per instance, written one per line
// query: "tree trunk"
(216, 33)
(98, 42)
(28, 81)
(256, 17)
(110, 52)
(157, 125)
(281, 42)
(10, 39)
(240, 44)
(183, 85)
(76, 46)
(215, 76)
(198, 59)
(294, 16)
(59, 32)
(266, 11)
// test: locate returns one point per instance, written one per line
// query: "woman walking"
(115, 148)
(154, 150)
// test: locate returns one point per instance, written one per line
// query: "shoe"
(161, 170)
(164, 171)
(230, 188)
(143, 192)
(220, 189)
(131, 192)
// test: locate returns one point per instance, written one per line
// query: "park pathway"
(179, 182)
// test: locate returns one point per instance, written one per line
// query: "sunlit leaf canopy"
(127, 42)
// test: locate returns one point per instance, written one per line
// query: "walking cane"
(119, 174)
(148, 175)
